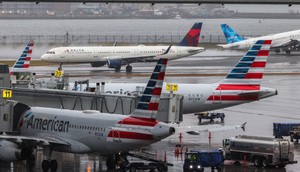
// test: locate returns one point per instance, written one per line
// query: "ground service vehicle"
(262, 151)
(291, 129)
(197, 160)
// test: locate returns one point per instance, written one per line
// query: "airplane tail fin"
(192, 37)
(24, 59)
(230, 35)
(246, 75)
(148, 104)
(243, 126)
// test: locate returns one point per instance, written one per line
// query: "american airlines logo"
(48, 124)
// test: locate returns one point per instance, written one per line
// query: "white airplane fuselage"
(197, 97)
(104, 53)
(277, 40)
(92, 131)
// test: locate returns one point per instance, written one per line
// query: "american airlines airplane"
(86, 131)
(23, 62)
(241, 85)
(285, 41)
(117, 56)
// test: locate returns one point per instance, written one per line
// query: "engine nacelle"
(98, 64)
(114, 63)
(10, 152)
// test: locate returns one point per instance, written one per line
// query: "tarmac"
(282, 74)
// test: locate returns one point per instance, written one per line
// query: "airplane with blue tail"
(285, 41)
(23, 62)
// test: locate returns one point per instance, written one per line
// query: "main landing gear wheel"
(288, 51)
(277, 50)
(128, 69)
(118, 68)
(52, 165)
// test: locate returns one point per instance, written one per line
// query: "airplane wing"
(141, 58)
(196, 130)
(35, 141)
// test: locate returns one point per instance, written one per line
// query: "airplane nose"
(44, 57)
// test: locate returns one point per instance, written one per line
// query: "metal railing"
(96, 39)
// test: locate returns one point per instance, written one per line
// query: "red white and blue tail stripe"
(148, 104)
(24, 59)
(246, 76)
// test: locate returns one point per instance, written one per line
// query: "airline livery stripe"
(258, 64)
(254, 76)
(263, 53)
(161, 76)
(129, 135)
(238, 87)
(250, 97)
(138, 121)
(156, 91)
(153, 106)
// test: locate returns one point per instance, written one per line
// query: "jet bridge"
(169, 110)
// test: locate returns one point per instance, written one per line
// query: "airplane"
(117, 56)
(285, 41)
(23, 62)
(86, 131)
(241, 85)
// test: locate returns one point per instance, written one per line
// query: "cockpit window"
(50, 52)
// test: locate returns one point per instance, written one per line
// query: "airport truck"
(262, 151)
(291, 129)
(195, 161)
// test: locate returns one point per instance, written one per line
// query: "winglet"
(167, 51)
(243, 126)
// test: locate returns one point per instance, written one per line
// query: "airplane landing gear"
(277, 50)
(288, 51)
(47, 163)
(128, 68)
(60, 66)
(118, 68)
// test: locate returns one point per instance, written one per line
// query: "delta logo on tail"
(24, 59)
(243, 82)
(192, 37)
(230, 35)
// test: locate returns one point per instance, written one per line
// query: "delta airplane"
(241, 85)
(87, 131)
(117, 56)
(285, 41)
(23, 62)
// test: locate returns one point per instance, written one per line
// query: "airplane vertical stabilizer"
(24, 59)
(148, 104)
(192, 37)
(230, 35)
(243, 81)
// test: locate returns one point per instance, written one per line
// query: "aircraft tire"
(288, 51)
(45, 165)
(128, 69)
(277, 50)
(118, 68)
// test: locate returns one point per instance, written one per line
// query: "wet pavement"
(259, 116)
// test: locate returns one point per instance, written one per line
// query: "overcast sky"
(264, 8)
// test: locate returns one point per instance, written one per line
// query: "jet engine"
(114, 63)
(98, 64)
(11, 152)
